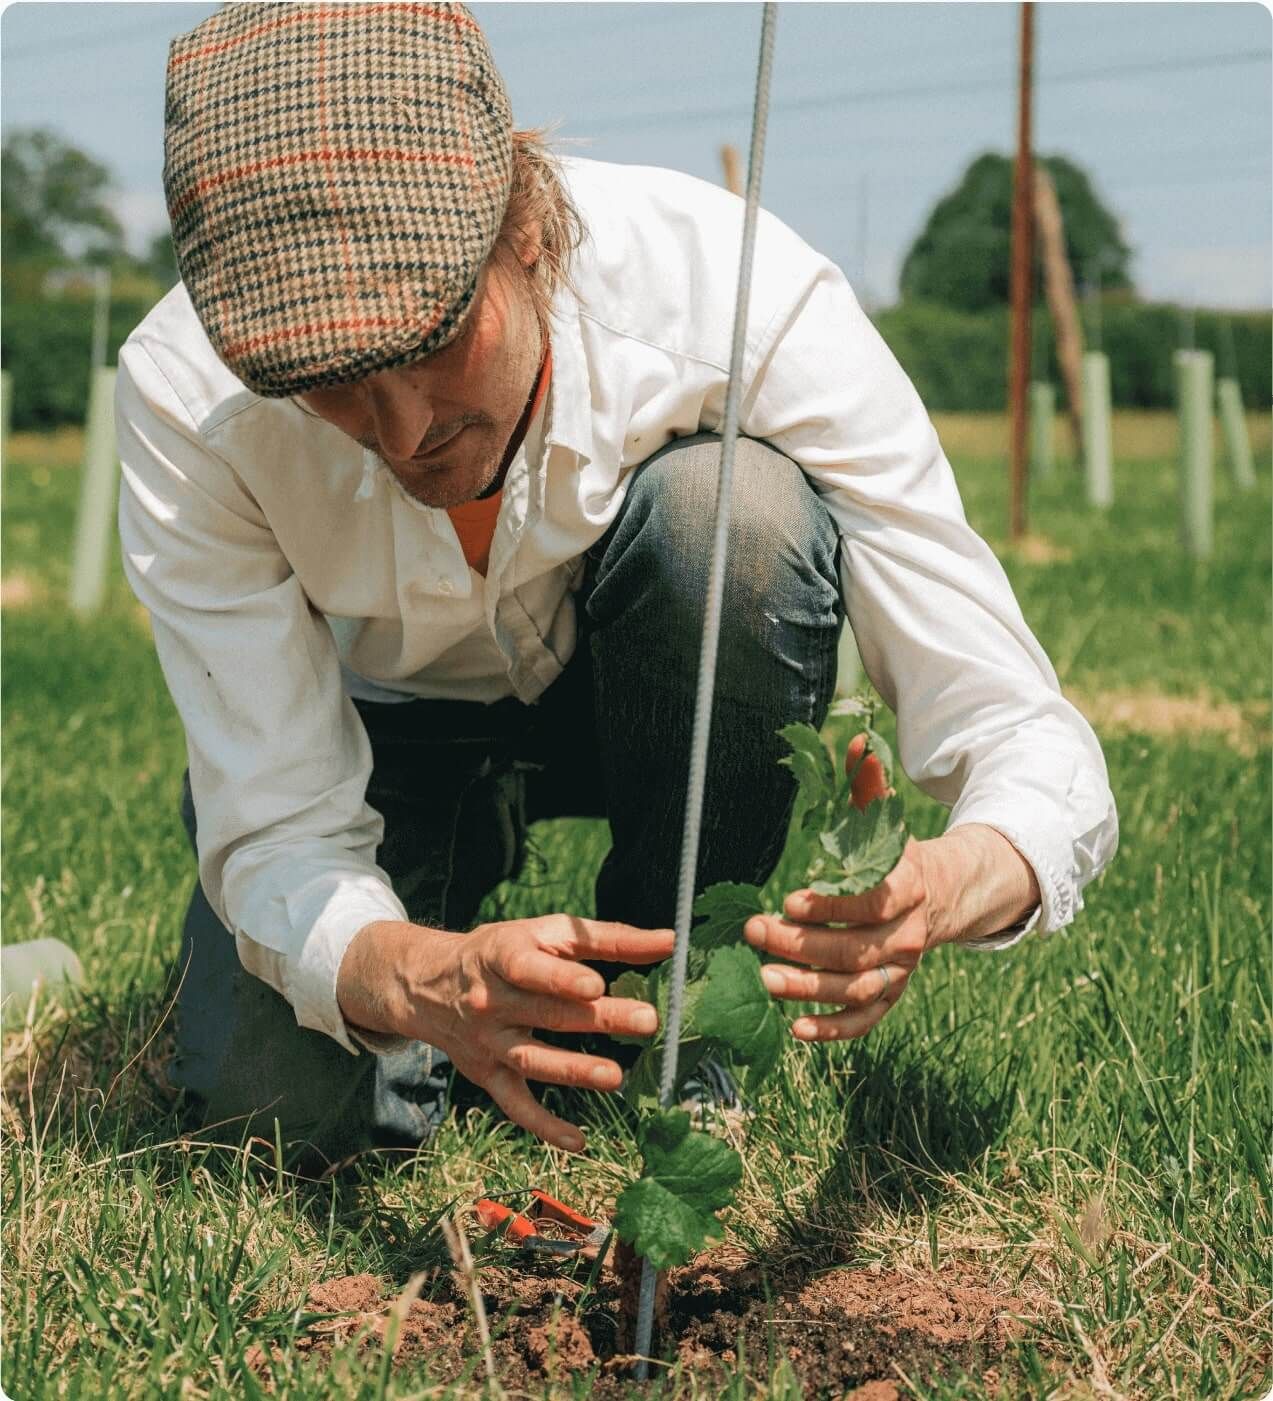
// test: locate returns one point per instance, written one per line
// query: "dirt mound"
(859, 1332)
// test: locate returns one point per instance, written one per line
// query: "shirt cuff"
(1005, 938)
(356, 902)
(379, 1043)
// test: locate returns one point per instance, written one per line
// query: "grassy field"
(1081, 1123)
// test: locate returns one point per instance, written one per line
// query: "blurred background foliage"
(962, 257)
(958, 359)
(949, 330)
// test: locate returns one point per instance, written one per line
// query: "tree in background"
(56, 228)
(57, 219)
(55, 211)
(961, 258)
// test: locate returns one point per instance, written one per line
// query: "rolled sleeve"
(278, 758)
(982, 725)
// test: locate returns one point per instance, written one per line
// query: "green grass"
(1083, 1120)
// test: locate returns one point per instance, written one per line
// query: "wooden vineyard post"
(1194, 373)
(1236, 442)
(1042, 421)
(1098, 445)
(6, 413)
(96, 519)
(1059, 282)
(731, 169)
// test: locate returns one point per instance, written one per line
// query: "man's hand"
(862, 949)
(479, 996)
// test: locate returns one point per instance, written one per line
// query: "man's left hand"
(862, 949)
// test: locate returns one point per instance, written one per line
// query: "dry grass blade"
(466, 1275)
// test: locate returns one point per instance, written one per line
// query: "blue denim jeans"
(458, 783)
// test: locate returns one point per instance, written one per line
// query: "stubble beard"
(447, 484)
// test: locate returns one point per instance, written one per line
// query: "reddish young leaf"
(869, 779)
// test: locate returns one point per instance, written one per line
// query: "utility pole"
(1022, 263)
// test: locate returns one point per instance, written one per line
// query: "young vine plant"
(669, 1213)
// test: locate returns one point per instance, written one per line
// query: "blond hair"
(539, 207)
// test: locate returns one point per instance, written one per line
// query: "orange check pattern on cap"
(336, 175)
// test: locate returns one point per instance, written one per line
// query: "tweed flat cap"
(336, 175)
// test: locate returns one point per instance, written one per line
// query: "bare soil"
(845, 1332)
(1244, 727)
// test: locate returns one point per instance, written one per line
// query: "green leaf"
(632, 984)
(660, 986)
(860, 850)
(641, 1084)
(641, 1087)
(669, 1214)
(736, 1009)
(725, 908)
(814, 771)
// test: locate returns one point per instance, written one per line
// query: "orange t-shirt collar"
(475, 521)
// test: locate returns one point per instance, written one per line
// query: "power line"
(844, 194)
(895, 92)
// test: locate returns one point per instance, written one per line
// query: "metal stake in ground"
(711, 636)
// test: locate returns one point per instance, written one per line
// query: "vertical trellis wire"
(711, 636)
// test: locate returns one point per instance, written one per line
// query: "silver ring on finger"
(883, 970)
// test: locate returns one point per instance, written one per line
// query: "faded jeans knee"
(782, 610)
(780, 627)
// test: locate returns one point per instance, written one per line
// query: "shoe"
(711, 1084)
(711, 1093)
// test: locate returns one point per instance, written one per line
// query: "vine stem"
(711, 636)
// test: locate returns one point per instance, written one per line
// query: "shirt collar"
(568, 421)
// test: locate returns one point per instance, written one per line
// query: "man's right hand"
(480, 996)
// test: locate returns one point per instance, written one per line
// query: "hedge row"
(957, 359)
(47, 346)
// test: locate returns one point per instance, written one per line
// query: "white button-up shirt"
(285, 570)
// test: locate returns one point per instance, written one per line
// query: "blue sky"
(877, 108)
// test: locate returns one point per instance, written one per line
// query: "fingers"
(534, 1060)
(536, 971)
(622, 1015)
(513, 1096)
(855, 990)
(841, 1026)
(892, 897)
(840, 950)
(552, 973)
(615, 943)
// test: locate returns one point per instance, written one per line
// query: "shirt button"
(445, 586)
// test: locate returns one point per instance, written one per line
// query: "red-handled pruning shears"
(524, 1228)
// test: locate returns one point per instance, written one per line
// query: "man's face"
(442, 424)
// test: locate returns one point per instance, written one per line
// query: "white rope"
(711, 636)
